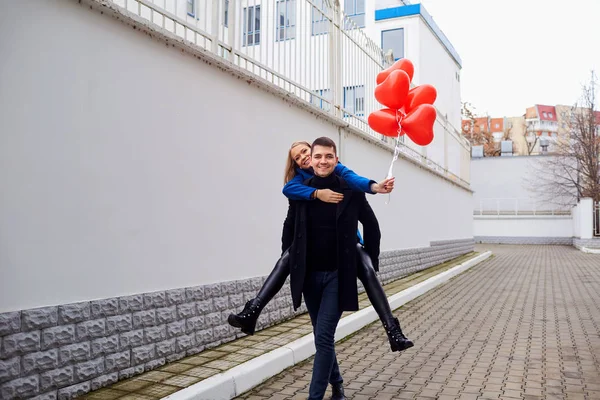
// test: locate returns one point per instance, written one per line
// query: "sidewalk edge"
(250, 374)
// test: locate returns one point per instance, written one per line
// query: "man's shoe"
(246, 320)
(398, 341)
(337, 392)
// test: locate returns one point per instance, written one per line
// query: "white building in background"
(330, 56)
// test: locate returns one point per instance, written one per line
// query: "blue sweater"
(297, 190)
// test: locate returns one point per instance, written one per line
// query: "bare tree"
(476, 135)
(531, 138)
(468, 113)
(507, 135)
(572, 171)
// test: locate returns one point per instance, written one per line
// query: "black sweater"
(321, 251)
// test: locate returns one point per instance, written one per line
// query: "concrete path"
(522, 325)
(219, 372)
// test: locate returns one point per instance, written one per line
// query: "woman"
(297, 171)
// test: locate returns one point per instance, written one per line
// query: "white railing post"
(214, 29)
(335, 60)
(231, 24)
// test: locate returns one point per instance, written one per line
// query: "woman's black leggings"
(365, 272)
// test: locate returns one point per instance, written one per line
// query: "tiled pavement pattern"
(188, 371)
(523, 325)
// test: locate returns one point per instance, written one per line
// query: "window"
(320, 23)
(481, 126)
(393, 39)
(354, 100)
(286, 19)
(251, 25)
(322, 104)
(355, 10)
(550, 115)
(497, 126)
(226, 13)
(544, 114)
(191, 8)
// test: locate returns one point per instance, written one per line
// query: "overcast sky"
(517, 53)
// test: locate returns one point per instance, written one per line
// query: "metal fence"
(517, 206)
(308, 48)
(596, 218)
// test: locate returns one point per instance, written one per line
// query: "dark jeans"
(321, 298)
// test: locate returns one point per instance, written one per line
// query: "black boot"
(337, 392)
(248, 317)
(398, 341)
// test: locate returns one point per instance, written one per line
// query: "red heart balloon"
(403, 64)
(418, 124)
(393, 91)
(423, 94)
(384, 122)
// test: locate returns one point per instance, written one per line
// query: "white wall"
(583, 219)
(520, 226)
(503, 177)
(127, 166)
(439, 69)
(505, 182)
(576, 214)
(423, 208)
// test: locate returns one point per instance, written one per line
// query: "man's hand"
(329, 196)
(385, 186)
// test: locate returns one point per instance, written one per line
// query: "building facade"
(536, 132)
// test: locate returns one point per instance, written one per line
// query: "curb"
(588, 250)
(244, 377)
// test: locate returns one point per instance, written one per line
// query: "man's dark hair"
(325, 142)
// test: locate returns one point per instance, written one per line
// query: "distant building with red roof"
(535, 132)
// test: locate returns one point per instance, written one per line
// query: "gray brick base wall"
(64, 351)
(593, 243)
(396, 264)
(567, 241)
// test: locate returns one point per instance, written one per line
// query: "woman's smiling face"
(301, 156)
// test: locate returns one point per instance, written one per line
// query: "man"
(323, 259)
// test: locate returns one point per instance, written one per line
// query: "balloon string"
(396, 153)
(399, 117)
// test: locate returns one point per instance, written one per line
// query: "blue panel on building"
(397, 12)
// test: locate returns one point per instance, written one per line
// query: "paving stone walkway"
(523, 325)
(175, 376)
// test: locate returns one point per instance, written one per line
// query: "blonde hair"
(290, 165)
